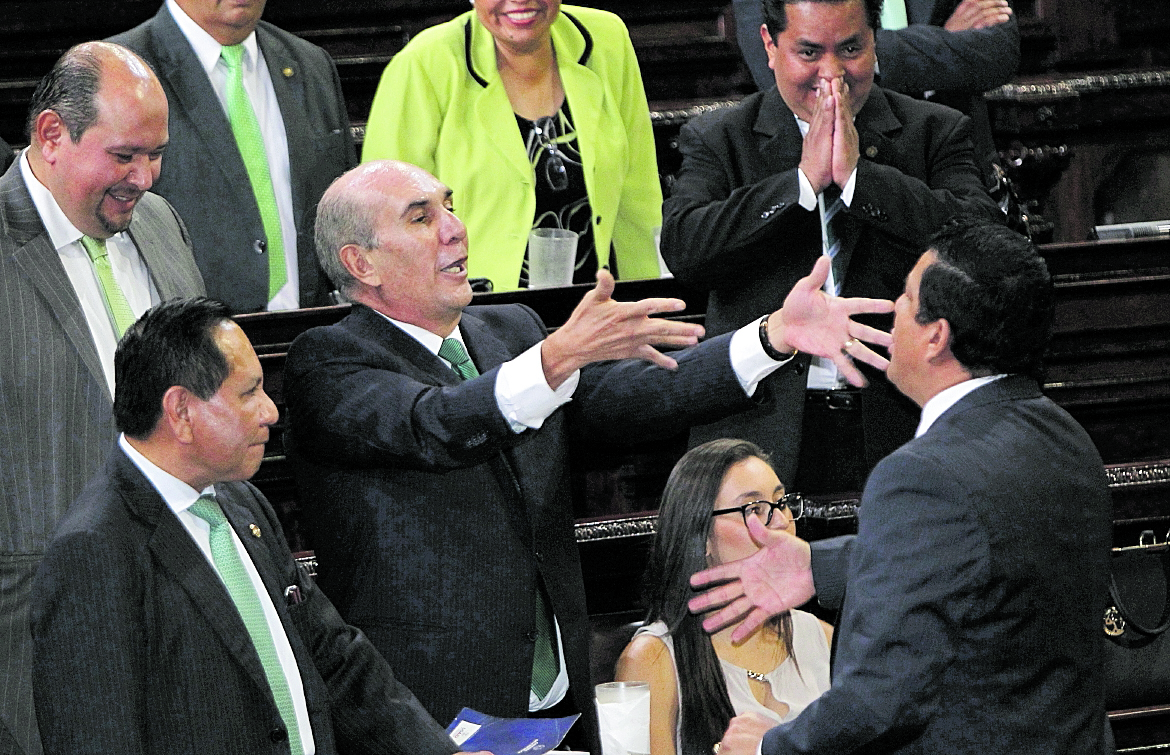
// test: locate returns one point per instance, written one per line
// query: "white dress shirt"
(258, 85)
(130, 271)
(179, 497)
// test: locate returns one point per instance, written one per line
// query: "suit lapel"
(188, 82)
(878, 130)
(492, 108)
(38, 260)
(413, 359)
(485, 349)
(179, 556)
(780, 139)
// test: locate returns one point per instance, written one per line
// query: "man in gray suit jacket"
(296, 96)
(168, 615)
(971, 597)
(98, 126)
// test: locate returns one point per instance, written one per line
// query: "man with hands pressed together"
(824, 163)
(432, 440)
(971, 597)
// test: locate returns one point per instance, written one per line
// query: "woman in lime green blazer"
(456, 99)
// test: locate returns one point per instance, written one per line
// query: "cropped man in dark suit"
(435, 483)
(97, 126)
(744, 219)
(168, 615)
(974, 589)
(294, 92)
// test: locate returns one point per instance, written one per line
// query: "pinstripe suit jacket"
(170, 667)
(56, 409)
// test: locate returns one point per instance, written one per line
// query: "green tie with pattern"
(243, 593)
(116, 305)
(544, 655)
(250, 140)
(453, 352)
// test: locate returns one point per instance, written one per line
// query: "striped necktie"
(829, 205)
(239, 586)
(250, 140)
(121, 315)
(453, 352)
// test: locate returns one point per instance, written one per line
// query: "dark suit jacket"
(138, 647)
(733, 226)
(436, 524)
(973, 591)
(56, 406)
(204, 177)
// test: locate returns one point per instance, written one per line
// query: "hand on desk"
(978, 14)
(815, 323)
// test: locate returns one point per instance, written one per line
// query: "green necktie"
(894, 15)
(250, 140)
(544, 655)
(453, 352)
(116, 305)
(243, 593)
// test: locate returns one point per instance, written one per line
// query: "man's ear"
(176, 413)
(353, 257)
(938, 344)
(49, 134)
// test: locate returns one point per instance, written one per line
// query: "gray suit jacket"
(139, 648)
(56, 407)
(973, 591)
(204, 177)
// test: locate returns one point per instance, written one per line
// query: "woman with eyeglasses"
(535, 116)
(699, 681)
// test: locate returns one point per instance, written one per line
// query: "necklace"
(758, 677)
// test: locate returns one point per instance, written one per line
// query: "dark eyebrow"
(420, 204)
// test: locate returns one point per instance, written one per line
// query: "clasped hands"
(830, 151)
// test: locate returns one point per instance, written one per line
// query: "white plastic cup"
(623, 712)
(552, 253)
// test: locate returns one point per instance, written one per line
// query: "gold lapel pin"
(871, 152)
(288, 72)
(255, 530)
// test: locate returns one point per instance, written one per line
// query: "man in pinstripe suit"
(97, 127)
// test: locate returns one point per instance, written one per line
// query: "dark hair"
(172, 344)
(69, 90)
(993, 288)
(776, 14)
(680, 550)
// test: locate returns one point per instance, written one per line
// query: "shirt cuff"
(808, 197)
(524, 398)
(748, 358)
(850, 186)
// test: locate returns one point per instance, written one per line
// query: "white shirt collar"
(206, 49)
(428, 339)
(61, 230)
(178, 494)
(945, 399)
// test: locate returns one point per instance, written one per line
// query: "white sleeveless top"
(794, 689)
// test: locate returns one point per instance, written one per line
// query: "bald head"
(387, 237)
(98, 128)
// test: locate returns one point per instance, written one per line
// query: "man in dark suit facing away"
(971, 597)
(249, 201)
(432, 440)
(168, 615)
(85, 248)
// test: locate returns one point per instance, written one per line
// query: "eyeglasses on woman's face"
(791, 504)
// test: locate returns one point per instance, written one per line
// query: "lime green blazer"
(441, 105)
